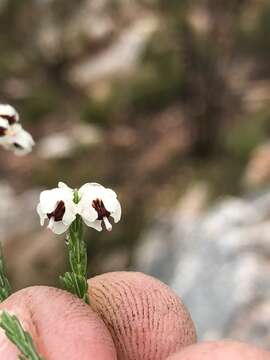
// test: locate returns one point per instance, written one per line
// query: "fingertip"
(145, 318)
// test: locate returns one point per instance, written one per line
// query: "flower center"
(58, 213)
(10, 118)
(100, 209)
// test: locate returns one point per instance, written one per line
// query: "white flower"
(17, 139)
(12, 135)
(97, 204)
(58, 207)
(4, 126)
(8, 113)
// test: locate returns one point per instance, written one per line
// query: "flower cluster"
(12, 135)
(93, 202)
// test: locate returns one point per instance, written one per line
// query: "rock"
(56, 146)
(88, 24)
(200, 20)
(63, 144)
(258, 169)
(218, 261)
(120, 57)
(17, 212)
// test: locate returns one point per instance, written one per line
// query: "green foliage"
(172, 6)
(162, 76)
(248, 134)
(18, 336)
(98, 112)
(253, 40)
(40, 104)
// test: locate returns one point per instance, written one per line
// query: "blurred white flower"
(58, 208)
(4, 125)
(97, 204)
(18, 140)
(8, 113)
(12, 135)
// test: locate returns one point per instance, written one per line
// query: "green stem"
(18, 336)
(75, 281)
(5, 288)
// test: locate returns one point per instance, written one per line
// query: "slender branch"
(5, 288)
(75, 281)
(18, 336)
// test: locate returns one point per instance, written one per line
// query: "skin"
(146, 319)
(62, 326)
(221, 350)
(142, 319)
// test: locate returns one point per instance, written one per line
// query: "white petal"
(4, 123)
(91, 188)
(50, 224)
(87, 212)
(83, 189)
(24, 140)
(48, 200)
(111, 193)
(95, 225)
(62, 185)
(4, 143)
(59, 228)
(109, 201)
(70, 213)
(13, 131)
(41, 214)
(4, 138)
(85, 208)
(8, 110)
(18, 140)
(116, 214)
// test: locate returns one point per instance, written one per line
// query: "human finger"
(146, 319)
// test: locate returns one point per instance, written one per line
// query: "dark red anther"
(100, 209)
(10, 118)
(58, 213)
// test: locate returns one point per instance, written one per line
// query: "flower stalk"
(75, 281)
(18, 336)
(5, 288)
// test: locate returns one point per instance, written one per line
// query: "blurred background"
(167, 102)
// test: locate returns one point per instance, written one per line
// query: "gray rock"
(218, 261)
(63, 144)
(120, 57)
(17, 212)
